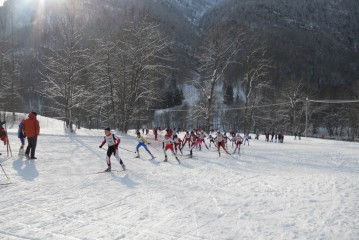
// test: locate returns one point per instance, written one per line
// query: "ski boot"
(123, 167)
(108, 169)
(178, 160)
(165, 159)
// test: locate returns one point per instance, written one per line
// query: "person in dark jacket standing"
(32, 130)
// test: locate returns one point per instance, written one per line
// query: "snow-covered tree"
(10, 98)
(128, 71)
(64, 84)
(292, 115)
(145, 61)
(217, 52)
(253, 80)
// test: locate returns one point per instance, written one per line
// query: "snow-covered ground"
(306, 189)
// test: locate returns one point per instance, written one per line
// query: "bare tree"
(128, 71)
(145, 61)
(9, 67)
(64, 82)
(216, 54)
(292, 114)
(253, 80)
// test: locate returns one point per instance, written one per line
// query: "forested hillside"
(108, 62)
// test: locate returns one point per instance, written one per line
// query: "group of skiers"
(274, 137)
(29, 128)
(174, 143)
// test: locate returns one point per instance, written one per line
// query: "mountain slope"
(194, 10)
(316, 41)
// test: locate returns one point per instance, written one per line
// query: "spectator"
(32, 130)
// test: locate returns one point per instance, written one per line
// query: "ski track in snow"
(306, 189)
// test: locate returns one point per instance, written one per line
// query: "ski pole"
(8, 148)
(126, 149)
(8, 144)
(154, 147)
(5, 173)
(121, 148)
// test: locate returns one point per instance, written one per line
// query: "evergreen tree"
(178, 97)
(228, 95)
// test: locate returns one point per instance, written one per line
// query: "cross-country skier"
(220, 143)
(272, 136)
(233, 135)
(280, 137)
(238, 141)
(168, 144)
(169, 132)
(210, 137)
(225, 139)
(186, 138)
(112, 141)
(194, 139)
(155, 133)
(246, 139)
(142, 142)
(194, 142)
(267, 136)
(177, 142)
(201, 140)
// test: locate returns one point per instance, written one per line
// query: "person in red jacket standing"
(32, 130)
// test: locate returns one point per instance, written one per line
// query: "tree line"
(114, 70)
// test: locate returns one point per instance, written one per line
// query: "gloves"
(100, 146)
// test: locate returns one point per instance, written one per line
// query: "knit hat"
(107, 129)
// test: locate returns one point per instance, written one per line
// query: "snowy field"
(306, 189)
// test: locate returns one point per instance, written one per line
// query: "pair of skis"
(105, 171)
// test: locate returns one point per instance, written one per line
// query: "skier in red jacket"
(186, 138)
(220, 143)
(238, 140)
(201, 140)
(177, 142)
(168, 145)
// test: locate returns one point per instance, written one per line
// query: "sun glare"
(1, 2)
